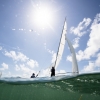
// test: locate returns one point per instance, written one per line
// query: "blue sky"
(30, 32)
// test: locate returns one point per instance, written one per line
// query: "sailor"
(52, 71)
(33, 75)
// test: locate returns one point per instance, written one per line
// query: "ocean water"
(81, 87)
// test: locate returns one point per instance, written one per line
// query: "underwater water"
(81, 87)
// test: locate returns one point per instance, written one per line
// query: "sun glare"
(43, 16)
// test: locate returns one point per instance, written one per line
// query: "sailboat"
(63, 40)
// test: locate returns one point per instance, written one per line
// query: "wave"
(80, 87)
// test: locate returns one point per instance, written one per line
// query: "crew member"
(52, 71)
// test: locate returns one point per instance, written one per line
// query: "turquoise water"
(81, 87)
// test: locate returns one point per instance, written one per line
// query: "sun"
(43, 16)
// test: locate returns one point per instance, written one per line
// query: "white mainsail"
(61, 45)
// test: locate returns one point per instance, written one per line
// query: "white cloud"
(69, 58)
(17, 68)
(32, 63)
(6, 74)
(0, 48)
(97, 61)
(79, 30)
(80, 55)
(9, 73)
(4, 66)
(53, 57)
(26, 72)
(96, 20)
(89, 68)
(93, 66)
(93, 44)
(50, 51)
(76, 42)
(16, 56)
(53, 54)
(22, 67)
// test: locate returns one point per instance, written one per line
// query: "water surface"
(81, 87)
